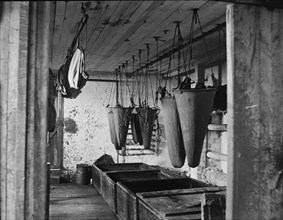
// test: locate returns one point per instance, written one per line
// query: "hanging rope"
(111, 96)
(121, 85)
(117, 86)
(147, 75)
(204, 41)
(127, 82)
(170, 58)
(139, 79)
(157, 84)
(132, 99)
(149, 79)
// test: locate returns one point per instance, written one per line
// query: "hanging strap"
(205, 44)
(170, 57)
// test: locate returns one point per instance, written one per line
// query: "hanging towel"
(76, 68)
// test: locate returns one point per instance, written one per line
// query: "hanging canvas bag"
(173, 132)
(136, 129)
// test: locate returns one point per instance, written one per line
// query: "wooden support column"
(255, 112)
(24, 44)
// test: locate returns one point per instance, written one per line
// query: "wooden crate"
(127, 201)
(177, 204)
(97, 171)
(110, 179)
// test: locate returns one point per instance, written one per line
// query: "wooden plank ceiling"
(117, 30)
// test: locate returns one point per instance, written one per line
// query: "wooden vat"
(176, 204)
(110, 180)
(127, 205)
(97, 171)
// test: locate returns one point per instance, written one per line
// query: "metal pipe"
(217, 156)
(102, 80)
(174, 50)
(217, 127)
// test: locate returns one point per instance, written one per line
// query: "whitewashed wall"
(87, 136)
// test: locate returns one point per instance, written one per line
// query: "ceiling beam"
(266, 3)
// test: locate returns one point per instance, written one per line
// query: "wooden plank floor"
(78, 202)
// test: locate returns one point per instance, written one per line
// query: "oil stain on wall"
(70, 126)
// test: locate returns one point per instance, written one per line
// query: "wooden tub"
(98, 170)
(110, 180)
(127, 205)
(180, 204)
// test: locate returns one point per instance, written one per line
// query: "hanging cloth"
(111, 121)
(76, 69)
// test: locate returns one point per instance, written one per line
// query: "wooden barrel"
(173, 132)
(113, 137)
(83, 174)
(122, 116)
(146, 119)
(136, 129)
(194, 108)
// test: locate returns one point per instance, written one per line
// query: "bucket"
(122, 118)
(173, 132)
(83, 174)
(113, 136)
(136, 129)
(146, 119)
(194, 108)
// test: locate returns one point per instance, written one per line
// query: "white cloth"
(76, 68)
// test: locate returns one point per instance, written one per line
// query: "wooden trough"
(110, 180)
(97, 171)
(179, 204)
(127, 207)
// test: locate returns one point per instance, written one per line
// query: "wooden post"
(24, 47)
(60, 132)
(255, 112)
